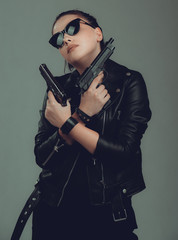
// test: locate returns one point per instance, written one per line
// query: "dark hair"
(92, 20)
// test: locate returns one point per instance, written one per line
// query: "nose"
(67, 39)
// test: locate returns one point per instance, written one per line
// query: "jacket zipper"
(102, 170)
(103, 183)
(55, 149)
(68, 179)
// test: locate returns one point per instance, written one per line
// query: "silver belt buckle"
(120, 216)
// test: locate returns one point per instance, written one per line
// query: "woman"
(90, 155)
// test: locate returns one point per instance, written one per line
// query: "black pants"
(78, 222)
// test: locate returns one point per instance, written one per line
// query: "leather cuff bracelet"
(83, 116)
(68, 125)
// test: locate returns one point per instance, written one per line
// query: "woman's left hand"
(55, 113)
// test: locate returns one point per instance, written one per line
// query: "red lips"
(70, 47)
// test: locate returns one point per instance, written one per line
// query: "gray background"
(146, 39)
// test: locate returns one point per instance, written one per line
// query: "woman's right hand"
(93, 100)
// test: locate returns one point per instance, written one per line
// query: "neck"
(85, 62)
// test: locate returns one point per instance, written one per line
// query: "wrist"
(63, 120)
(85, 110)
(76, 116)
(83, 116)
(68, 125)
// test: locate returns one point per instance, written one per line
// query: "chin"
(82, 58)
(77, 60)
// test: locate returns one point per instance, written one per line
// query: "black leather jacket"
(116, 164)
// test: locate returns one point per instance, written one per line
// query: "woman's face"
(81, 49)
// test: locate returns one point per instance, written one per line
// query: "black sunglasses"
(71, 29)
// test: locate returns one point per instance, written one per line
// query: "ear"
(99, 34)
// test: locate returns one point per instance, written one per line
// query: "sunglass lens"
(73, 27)
(53, 40)
(59, 40)
(71, 30)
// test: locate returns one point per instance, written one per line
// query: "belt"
(30, 204)
(118, 210)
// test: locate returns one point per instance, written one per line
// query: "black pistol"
(53, 85)
(96, 67)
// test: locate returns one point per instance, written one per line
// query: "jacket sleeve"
(47, 141)
(132, 123)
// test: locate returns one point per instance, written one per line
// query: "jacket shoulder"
(120, 70)
(119, 75)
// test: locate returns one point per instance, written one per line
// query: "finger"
(100, 73)
(50, 94)
(100, 89)
(97, 80)
(51, 97)
(104, 93)
(68, 103)
(107, 97)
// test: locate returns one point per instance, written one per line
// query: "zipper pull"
(94, 161)
(56, 147)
